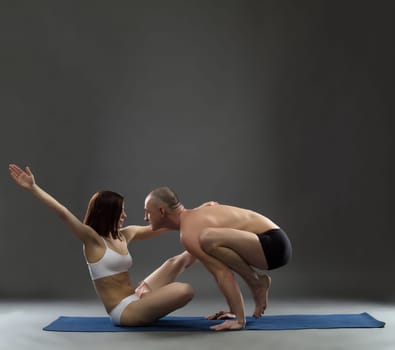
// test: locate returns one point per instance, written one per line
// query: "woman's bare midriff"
(113, 289)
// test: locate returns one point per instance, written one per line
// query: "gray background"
(283, 107)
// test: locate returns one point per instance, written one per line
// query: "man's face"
(153, 213)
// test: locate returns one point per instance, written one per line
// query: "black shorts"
(276, 246)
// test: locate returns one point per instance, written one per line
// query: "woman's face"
(122, 217)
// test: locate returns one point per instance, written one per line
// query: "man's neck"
(174, 218)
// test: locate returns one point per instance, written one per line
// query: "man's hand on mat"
(221, 315)
(228, 325)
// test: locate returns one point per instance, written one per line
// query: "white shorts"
(116, 312)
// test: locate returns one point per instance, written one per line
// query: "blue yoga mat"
(190, 324)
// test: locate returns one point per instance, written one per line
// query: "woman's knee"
(188, 291)
(184, 291)
(179, 261)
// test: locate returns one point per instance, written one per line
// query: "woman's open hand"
(23, 178)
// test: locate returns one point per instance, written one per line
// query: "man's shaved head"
(165, 196)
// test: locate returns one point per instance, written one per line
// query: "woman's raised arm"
(25, 179)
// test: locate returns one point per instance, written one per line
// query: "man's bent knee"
(208, 241)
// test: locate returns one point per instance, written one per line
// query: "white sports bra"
(110, 264)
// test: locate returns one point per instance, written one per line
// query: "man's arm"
(224, 278)
(230, 289)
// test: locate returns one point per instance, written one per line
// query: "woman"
(105, 245)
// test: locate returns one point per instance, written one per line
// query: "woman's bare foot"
(142, 289)
(260, 293)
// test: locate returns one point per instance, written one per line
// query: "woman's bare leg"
(157, 304)
(166, 273)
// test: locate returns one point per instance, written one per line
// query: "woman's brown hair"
(103, 213)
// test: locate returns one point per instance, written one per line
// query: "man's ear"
(162, 212)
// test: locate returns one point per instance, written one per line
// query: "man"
(225, 238)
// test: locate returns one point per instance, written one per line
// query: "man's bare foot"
(260, 294)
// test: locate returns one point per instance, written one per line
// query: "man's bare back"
(226, 216)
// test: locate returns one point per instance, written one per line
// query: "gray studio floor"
(21, 323)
